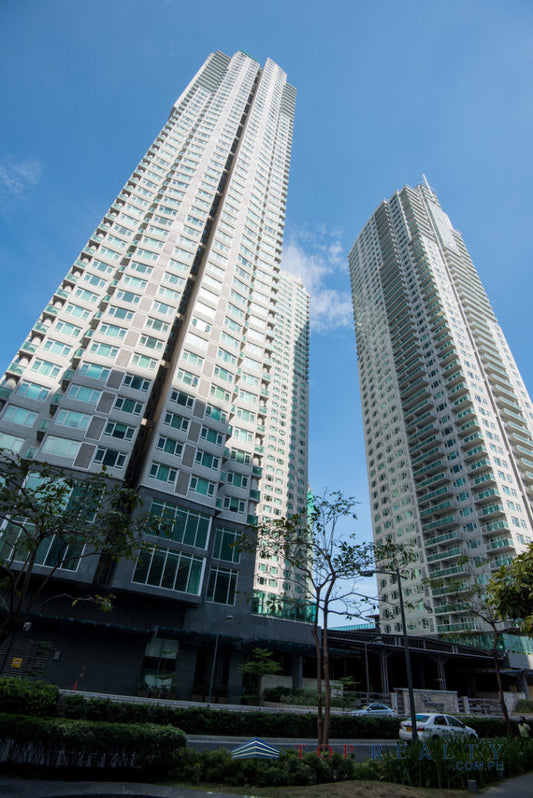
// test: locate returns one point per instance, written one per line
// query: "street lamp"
(214, 664)
(396, 573)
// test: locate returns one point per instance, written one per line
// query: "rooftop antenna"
(426, 182)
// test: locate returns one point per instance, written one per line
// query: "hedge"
(40, 698)
(118, 750)
(24, 697)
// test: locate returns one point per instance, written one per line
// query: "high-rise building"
(448, 421)
(175, 354)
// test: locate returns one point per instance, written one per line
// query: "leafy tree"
(511, 590)
(477, 603)
(325, 565)
(54, 519)
(261, 664)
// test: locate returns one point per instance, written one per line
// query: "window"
(71, 418)
(94, 280)
(83, 394)
(112, 331)
(216, 413)
(104, 350)
(219, 393)
(223, 374)
(128, 296)
(237, 480)
(128, 405)
(45, 367)
(120, 313)
(57, 348)
(171, 570)
(144, 362)
(211, 435)
(87, 296)
(156, 324)
(61, 447)
(226, 547)
(234, 505)
(178, 524)
(110, 457)
(118, 430)
(52, 551)
(134, 282)
(192, 358)
(169, 445)
(181, 398)
(203, 486)
(163, 472)
(160, 307)
(19, 415)
(226, 356)
(151, 342)
(94, 371)
(187, 378)
(32, 390)
(136, 382)
(10, 442)
(176, 421)
(222, 586)
(207, 460)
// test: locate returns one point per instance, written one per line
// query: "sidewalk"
(518, 787)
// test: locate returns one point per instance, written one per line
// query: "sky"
(387, 92)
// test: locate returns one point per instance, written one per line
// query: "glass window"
(226, 547)
(222, 586)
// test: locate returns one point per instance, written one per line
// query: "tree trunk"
(503, 705)
(319, 715)
(327, 685)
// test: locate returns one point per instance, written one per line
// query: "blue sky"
(386, 91)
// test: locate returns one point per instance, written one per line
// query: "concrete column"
(235, 676)
(521, 684)
(384, 672)
(185, 672)
(442, 673)
(296, 671)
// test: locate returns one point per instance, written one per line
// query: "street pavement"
(10, 787)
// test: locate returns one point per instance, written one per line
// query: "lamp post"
(214, 663)
(396, 573)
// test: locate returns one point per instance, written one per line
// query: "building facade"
(448, 421)
(175, 354)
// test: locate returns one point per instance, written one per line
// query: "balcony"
(441, 539)
(448, 553)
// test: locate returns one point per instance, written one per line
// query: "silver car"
(374, 710)
(433, 726)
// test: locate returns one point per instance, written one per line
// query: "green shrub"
(140, 751)
(25, 697)
(452, 764)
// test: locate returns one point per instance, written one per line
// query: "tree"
(54, 519)
(260, 665)
(476, 601)
(322, 565)
(511, 590)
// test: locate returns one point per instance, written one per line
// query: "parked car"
(433, 726)
(369, 710)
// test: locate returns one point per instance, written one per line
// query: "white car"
(433, 726)
(377, 710)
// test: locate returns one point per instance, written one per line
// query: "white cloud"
(17, 178)
(319, 259)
